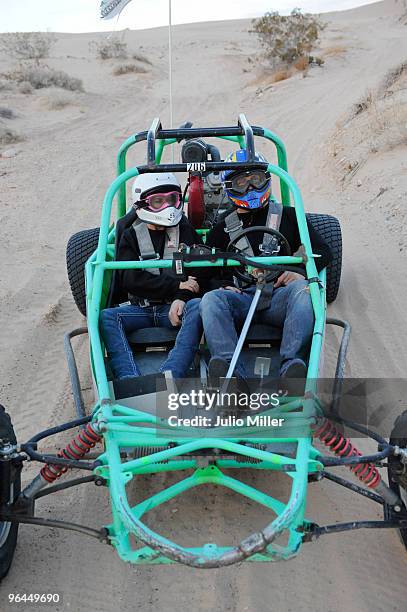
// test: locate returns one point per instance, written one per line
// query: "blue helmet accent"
(254, 198)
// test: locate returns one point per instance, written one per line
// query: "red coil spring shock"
(338, 444)
(77, 448)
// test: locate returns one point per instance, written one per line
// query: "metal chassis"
(119, 424)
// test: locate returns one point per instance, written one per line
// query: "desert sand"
(351, 164)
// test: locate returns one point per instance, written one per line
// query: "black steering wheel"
(277, 245)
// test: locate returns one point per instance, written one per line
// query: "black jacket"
(218, 238)
(144, 284)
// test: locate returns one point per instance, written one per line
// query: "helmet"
(157, 198)
(246, 188)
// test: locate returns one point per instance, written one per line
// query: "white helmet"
(165, 211)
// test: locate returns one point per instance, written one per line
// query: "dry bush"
(286, 38)
(58, 99)
(25, 87)
(40, 77)
(335, 51)
(128, 68)
(280, 75)
(8, 136)
(363, 104)
(302, 64)
(27, 45)
(6, 113)
(109, 48)
(392, 77)
(141, 58)
(5, 85)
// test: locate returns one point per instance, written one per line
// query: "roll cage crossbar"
(157, 138)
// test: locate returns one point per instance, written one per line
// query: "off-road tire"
(330, 230)
(8, 531)
(78, 250)
(397, 473)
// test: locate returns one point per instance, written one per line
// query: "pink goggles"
(160, 201)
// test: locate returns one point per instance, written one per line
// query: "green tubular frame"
(134, 139)
(127, 427)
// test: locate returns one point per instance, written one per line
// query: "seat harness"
(147, 251)
(146, 244)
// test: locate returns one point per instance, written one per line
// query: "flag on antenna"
(110, 8)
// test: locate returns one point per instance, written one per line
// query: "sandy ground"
(54, 187)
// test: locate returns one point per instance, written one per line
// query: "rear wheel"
(8, 531)
(330, 230)
(78, 250)
(397, 473)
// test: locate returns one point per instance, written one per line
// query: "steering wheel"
(278, 245)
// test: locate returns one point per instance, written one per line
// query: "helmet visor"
(250, 179)
(160, 201)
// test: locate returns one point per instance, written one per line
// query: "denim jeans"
(223, 312)
(117, 323)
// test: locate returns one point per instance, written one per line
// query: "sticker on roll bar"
(196, 167)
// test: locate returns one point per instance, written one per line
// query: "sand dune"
(53, 186)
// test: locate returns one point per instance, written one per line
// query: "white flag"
(110, 8)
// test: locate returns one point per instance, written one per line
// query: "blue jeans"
(117, 323)
(224, 311)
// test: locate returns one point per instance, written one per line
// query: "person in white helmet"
(156, 296)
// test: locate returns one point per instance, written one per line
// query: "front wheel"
(397, 473)
(330, 230)
(8, 531)
(79, 248)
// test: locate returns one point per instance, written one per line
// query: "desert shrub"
(8, 136)
(27, 45)
(25, 87)
(141, 58)
(110, 48)
(335, 51)
(127, 68)
(280, 75)
(315, 61)
(286, 38)
(302, 63)
(393, 76)
(58, 99)
(40, 76)
(6, 113)
(5, 85)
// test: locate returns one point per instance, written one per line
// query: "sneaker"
(295, 368)
(217, 369)
(295, 371)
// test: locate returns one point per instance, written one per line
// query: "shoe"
(296, 369)
(217, 369)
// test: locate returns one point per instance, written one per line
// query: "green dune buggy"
(126, 434)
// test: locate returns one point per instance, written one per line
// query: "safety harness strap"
(146, 246)
(233, 226)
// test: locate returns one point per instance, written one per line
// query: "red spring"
(338, 444)
(77, 448)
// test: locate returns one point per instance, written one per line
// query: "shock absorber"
(343, 447)
(77, 448)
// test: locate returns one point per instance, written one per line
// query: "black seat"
(259, 333)
(141, 339)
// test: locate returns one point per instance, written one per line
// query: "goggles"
(241, 183)
(160, 201)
